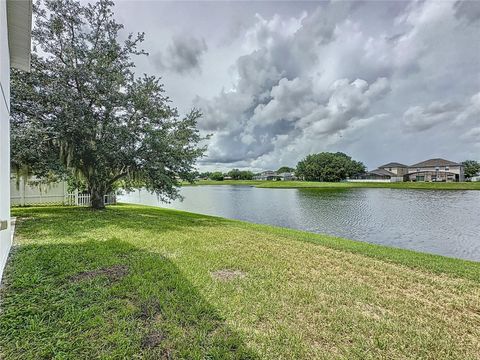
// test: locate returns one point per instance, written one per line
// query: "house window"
(447, 168)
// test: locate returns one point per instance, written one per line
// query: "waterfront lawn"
(139, 282)
(346, 185)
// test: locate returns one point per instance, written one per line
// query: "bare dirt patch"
(152, 340)
(149, 310)
(113, 273)
(228, 274)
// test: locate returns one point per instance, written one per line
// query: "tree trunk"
(97, 198)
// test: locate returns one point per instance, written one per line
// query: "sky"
(276, 81)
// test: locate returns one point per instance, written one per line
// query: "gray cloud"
(277, 101)
(420, 118)
(468, 9)
(310, 82)
(381, 81)
(183, 55)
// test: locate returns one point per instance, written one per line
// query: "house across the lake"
(272, 175)
(436, 170)
(428, 170)
(287, 176)
(266, 175)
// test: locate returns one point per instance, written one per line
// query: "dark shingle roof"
(381, 172)
(435, 162)
(393, 165)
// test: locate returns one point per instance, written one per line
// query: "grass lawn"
(139, 282)
(343, 185)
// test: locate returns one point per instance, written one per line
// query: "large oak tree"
(327, 166)
(83, 111)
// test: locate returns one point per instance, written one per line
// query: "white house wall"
(5, 236)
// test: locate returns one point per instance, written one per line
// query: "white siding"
(5, 236)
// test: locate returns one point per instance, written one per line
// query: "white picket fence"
(77, 199)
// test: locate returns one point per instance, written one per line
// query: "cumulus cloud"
(183, 55)
(279, 98)
(367, 78)
(317, 81)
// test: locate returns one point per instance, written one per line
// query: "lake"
(438, 222)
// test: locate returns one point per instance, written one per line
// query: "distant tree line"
(285, 169)
(234, 174)
(324, 166)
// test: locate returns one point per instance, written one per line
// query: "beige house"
(428, 170)
(436, 170)
(398, 169)
(391, 172)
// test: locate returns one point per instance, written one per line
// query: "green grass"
(136, 282)
(346, 185)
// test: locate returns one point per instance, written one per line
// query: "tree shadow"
(107, 300)
(75, 221)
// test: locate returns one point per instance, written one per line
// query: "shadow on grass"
(75, 221)
(110, 300)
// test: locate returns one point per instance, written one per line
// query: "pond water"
(438, 222)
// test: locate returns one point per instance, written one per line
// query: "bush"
(217, 176)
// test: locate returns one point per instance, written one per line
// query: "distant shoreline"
(343, 185)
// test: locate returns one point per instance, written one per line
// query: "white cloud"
(367, 78)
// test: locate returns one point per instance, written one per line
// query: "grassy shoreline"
(145, 282)
(343, 185)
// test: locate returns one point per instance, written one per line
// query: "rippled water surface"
(439, 222)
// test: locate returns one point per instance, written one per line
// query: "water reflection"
(440, 222)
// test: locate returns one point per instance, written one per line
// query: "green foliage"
(234, 174)
(285, 169)
(82, 111)
(237, 174)
(472, 168)
(77, 183)
(217, 176)
(204, 175)
(246, 175)
(330, 167)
